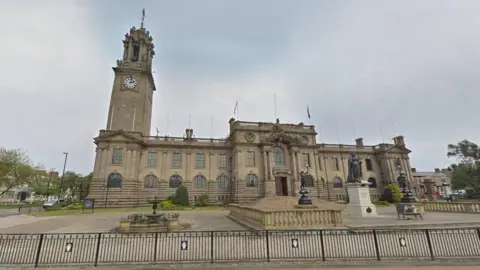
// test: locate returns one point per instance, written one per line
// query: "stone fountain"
(148, 223)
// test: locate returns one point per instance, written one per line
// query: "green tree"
(181, 196)
(16, 170)
(466, 172)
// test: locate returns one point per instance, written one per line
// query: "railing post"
(429, 242)
(322, 245)
(375, 242)
(268, 245)
(211, 247)
(155, 248)
(39, 249)
(97, 251)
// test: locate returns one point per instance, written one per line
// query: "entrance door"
(281, 186)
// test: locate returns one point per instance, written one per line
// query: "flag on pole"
(308, 112)
(158, 132)
(236, 108)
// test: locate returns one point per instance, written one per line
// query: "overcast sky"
(410, 67)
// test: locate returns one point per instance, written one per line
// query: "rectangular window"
(200, 161)
(250, 158)
(335, 165)
(152, 159)
(222, 161)
(305, 160)
(177, 160)
(117, 157)
(368, 164)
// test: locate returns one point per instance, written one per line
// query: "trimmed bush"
(202, 201)
(168, 205)
(181, 196)
(392, 194)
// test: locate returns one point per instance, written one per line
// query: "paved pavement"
(14, 212)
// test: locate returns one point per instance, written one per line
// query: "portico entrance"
(281, 186)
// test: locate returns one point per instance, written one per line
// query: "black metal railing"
(233, 246)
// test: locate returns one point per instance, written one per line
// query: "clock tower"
(133, 85)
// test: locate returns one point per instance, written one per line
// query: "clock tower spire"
(133, 85)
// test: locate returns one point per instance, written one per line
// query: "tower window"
(117, 157)
(306, 159)
(136, 53)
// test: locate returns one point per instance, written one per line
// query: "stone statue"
(354, 169)
(302, 180)
(402, 181)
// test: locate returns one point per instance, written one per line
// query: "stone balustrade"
(452, 207)
(285, 219)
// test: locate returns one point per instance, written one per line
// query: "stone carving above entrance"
(278, 135)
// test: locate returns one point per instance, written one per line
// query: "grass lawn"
(77, 212)
(15, 206)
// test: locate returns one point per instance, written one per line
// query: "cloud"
(53, 81)
(374, 65)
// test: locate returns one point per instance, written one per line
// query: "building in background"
(442, 178)
(257, 159)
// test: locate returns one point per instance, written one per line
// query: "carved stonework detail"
(249, 137)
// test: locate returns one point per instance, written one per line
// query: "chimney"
(414, 170)
(188, 133)
(437, 170)
(359, 142)
(398, 140)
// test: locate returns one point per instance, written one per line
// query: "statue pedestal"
(360, 204)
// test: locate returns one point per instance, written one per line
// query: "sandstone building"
(257, 159)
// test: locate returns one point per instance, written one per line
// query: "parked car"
(50, 203)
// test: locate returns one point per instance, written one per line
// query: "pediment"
(398, 149)
(117, 135)
(282, 138)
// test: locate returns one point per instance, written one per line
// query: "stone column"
(265, 164)
(270, 163)
(430, 187)
(295, 173)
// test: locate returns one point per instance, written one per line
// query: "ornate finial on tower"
(143, 18)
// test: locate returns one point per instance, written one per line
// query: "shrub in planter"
(392, 194)
(168, 205)
(181, 196)
(202, 201)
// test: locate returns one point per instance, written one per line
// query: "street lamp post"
(63, 175)
(106, 188)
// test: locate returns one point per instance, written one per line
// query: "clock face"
(130, 82)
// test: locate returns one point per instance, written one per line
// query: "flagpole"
(211, 126)
(166, 129)
(381, 131)
(338, 136)
(275, 104)
(189, 119)
(353, 132)
(394, 131)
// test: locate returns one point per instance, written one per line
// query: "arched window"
(199, 181)
(373, 182)
(337, 182)
(175, 181)
(308, 180)
(150, 181)
(278, 156)
(114, 180)
(252, 180)
(222, 181)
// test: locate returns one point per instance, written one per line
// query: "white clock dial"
(130, 82)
